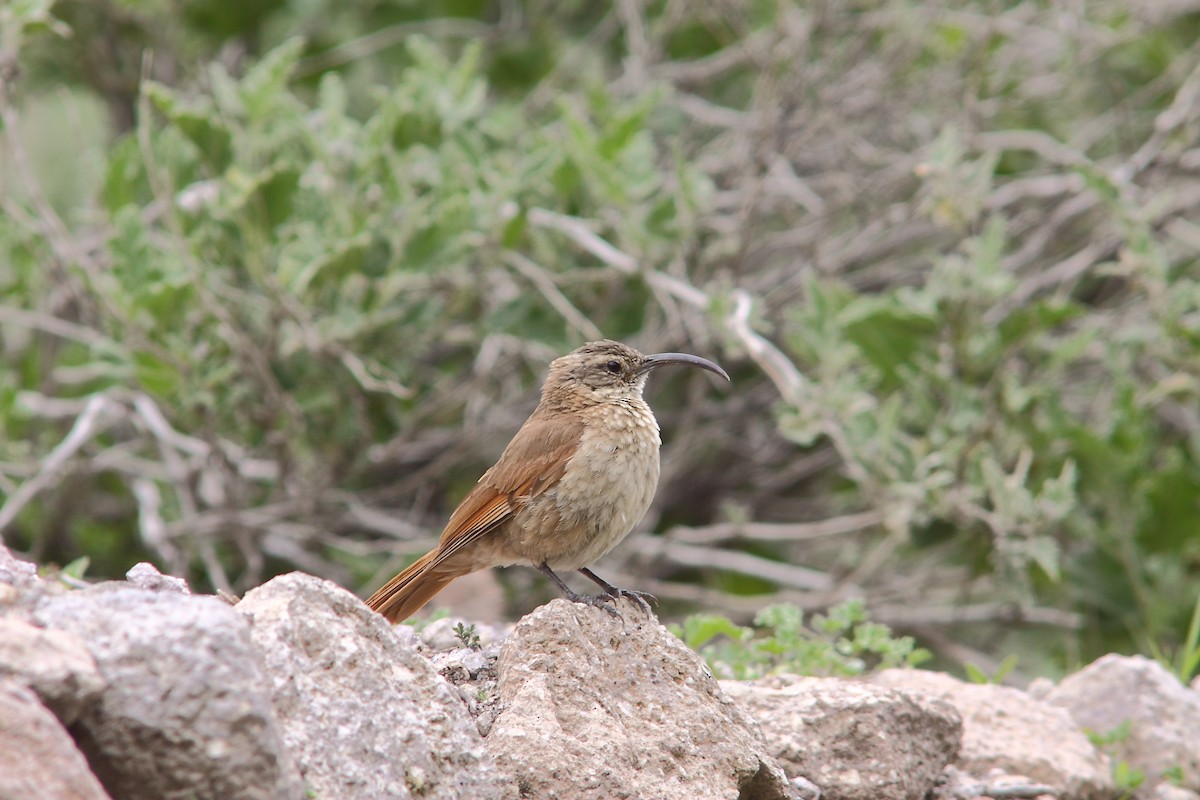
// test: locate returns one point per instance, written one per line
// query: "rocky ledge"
(140, 689)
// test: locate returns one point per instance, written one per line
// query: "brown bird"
(571, 484)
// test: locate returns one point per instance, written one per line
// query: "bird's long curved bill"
(661, 359)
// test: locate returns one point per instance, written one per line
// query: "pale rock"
(596, 708)
(853, 740)
(54, 664)
(14, 571)
(364, 714)
(1163, 715)
(187, 710)
(145, 575)
(1007, 730)
(1167, 791)
(38, 759)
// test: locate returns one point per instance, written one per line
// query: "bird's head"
(606, 371)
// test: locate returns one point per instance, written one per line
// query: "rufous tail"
(399, 598)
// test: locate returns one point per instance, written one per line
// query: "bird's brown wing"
(533, 462)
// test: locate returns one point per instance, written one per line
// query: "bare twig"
(55, 326)
(1185, 107)
(363, 374)
(580, 232)
(151, 524)
(637, 45)
(1064, 272)
(687, 555)
(557, 300)
(776, 532)
(97, 415)
(779, 368)
(708, 113)
(745, 52)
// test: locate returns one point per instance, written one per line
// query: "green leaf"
(1045, 553)
(266, 80)
(1005, 667)
(514, 230)
(198, 122)
(780, 616)
(125, 180)
(266, 196)
(344, 260)
(1031, 319)
(889, 334)
(842, 617)
(153, 374)
(700, 629)
(975, 674)
(77, 568)
(276, 193)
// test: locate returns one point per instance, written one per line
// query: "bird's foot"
(601, 601)
(596, 601)
(611, 593)
(641, 599)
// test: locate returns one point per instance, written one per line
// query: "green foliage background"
(279, 280)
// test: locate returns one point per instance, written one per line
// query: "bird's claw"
(641, 599)
(601, 601)
(605, 601)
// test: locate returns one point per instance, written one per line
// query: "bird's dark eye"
(613, 366)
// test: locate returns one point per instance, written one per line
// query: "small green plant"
(842, 642)
(1126, 777)
(467, 635)
(977, 675)
(72, 574)
(1186, 659)
(1108, 740)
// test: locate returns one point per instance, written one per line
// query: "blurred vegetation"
(280, 279)
(843, 643)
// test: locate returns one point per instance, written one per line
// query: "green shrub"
(287, 295)
(843, 643)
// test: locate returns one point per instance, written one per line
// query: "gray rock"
(1166, 791)
(853, 740)
(1163, 715)
(37, 756)
(364, 714)
(14, 571)
(187, 712)
(54, 664)
(596, 708)
(1007, 730)
(145, 575)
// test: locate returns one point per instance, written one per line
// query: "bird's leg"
(586, 599)
(640, 598)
